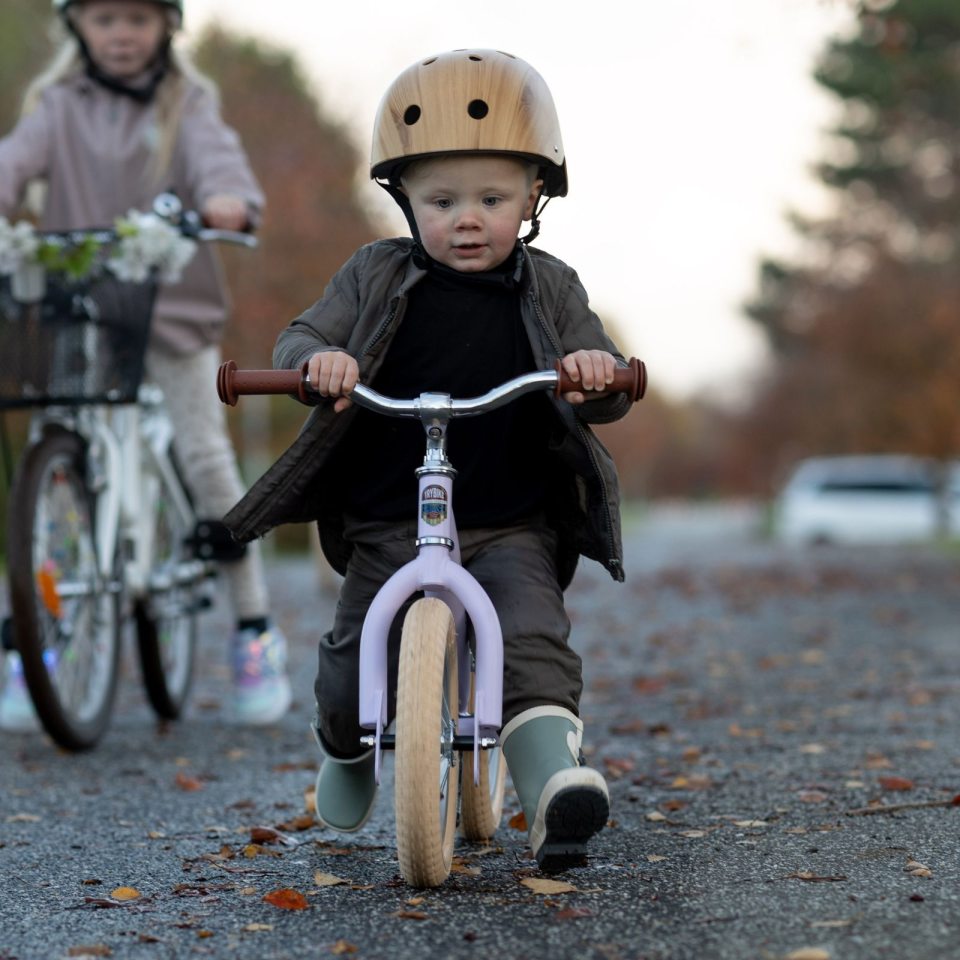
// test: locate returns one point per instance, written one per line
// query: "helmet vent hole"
(478, 109)
(475, 58)
(411, 115)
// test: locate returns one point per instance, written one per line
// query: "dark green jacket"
(359, 313)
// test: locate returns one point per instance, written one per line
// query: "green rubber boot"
(564, 802)
(346, 789)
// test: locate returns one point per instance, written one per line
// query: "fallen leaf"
(125, 893)
(343, 947)
(321, 879)
(811, 796)
(258, 927)
(547, 887)
(204, 934)
(808, 953)
(465, 869)
(813, 877)
(655, 858)
(750, 823)
(693, 834)
(896, 783)
(411, 915)
(247, 891)
(286, 899)
(93, 950)
(813, 748)
(186, 782)
(655, 816)
(271, 835)
(252, 850)
(518, 821)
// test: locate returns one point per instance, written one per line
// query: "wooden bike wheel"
(426, 782)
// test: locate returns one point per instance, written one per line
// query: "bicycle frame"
(436, 571)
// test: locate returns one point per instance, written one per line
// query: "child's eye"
(442, 203)
(491, 201)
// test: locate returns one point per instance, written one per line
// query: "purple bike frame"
(436, 571)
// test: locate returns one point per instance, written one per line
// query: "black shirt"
(461, 334)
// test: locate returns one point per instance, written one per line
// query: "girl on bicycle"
(467, 143)
(119, 116)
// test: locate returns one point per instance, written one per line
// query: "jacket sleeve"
(580, 329)
(23, 157)
(326, 325)
(212, 155)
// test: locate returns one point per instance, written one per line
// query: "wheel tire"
(481, 804)
(65, 614)
(425, 761)
(166, 619)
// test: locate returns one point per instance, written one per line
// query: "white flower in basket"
(18, 251)
(144, 243)
(148, 243)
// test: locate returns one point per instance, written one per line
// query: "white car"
(881, 498)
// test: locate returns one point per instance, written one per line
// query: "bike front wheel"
(426, 782)
(66, 610)
(166, 616)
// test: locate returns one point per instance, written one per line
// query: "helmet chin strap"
(534, 231)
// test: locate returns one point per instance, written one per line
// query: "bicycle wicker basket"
(82, 343)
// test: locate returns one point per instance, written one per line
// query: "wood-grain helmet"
(469, 101)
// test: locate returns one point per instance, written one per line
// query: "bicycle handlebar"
(233, 383)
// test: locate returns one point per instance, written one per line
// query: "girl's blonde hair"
(68, 61)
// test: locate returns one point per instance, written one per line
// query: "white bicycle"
(100, 529)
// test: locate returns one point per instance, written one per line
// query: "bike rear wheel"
(66, 612)
(481, 803)
(426, 782)
(166, 617)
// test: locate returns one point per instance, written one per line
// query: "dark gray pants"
(515, 565)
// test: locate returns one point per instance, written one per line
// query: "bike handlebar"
(233, 383)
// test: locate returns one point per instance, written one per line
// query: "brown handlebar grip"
(232, 383)
(631, 380)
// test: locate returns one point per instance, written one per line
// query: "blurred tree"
(866, 331)
(308, 167)
(24, 46)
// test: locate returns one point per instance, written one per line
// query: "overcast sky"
(689, 128)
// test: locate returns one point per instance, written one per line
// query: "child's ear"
(532, 199)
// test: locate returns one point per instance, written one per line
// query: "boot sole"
(572, 817)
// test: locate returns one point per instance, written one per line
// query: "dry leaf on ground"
(548, 887)
(286, 899)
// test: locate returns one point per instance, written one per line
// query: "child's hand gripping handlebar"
(232, 383)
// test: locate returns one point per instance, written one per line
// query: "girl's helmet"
(61, 6)
(469, 101)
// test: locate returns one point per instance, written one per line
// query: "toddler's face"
(123, 36)
(469, 208)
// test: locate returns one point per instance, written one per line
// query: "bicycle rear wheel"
(426, 782)
(481, 803)
(66, 613)
(166, 617)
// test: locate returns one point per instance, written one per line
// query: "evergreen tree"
(866, 329)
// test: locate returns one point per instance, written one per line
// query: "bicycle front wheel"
(66, 613)
(426, 782)
(166, 617)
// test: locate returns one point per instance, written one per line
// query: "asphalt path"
(779, 731)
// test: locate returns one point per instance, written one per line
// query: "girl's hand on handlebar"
(593, 369)
(333, 373)
(223, 211)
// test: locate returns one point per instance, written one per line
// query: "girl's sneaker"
(17, 714)
(261, 689)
